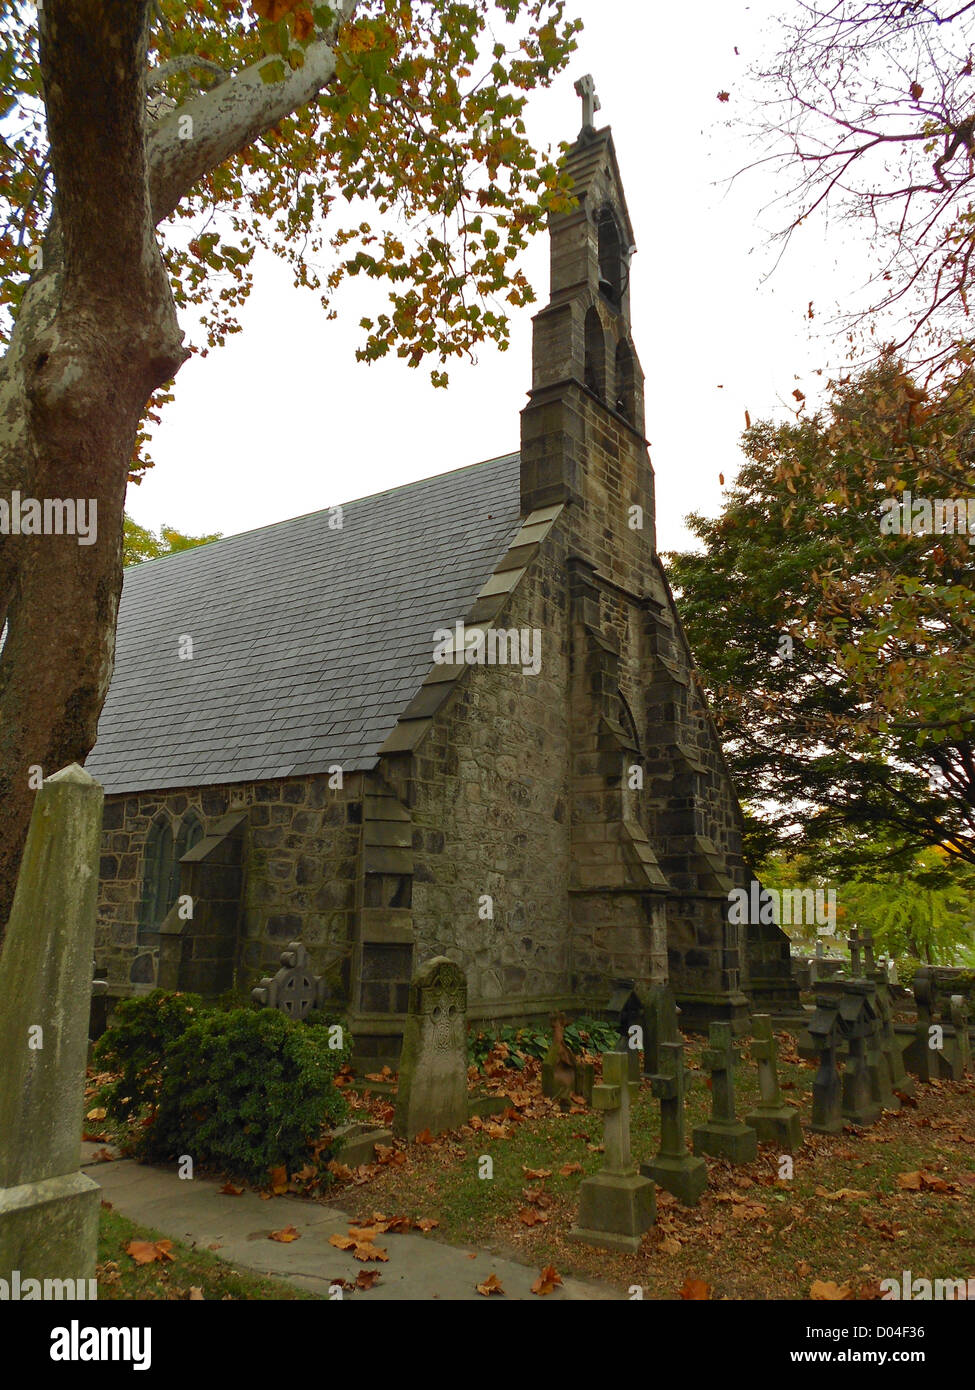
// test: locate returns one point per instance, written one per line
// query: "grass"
(120, 1277)
(757, 1232)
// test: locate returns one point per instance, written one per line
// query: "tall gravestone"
(773, 1120)
(824, 1029)
(432, 1090)
(723, 1135)
(616, 1205)
(660, 1026)
(673, 1168)
(48, 1207)
(861, 1105)
(958, 1011)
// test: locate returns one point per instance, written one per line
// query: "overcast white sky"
(283, 421)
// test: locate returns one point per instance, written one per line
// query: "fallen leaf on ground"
(98, 1114)
(547, 1281)
(286, 1234)
(841, 1193)
(825, 1291)
(531, 1216)
(366, 1278)
(228, 1190)
(669, 1246)
(695, 1289)
(196, 1294)
(424, 1137)
(426, 1223)
(536, 1174)
(147, 1252)
(568, 1169)
(492, 1284)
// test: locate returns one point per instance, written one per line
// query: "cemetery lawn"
(121, 1277)
(860, 1207)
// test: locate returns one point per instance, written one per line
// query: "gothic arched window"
(157, 877)
(610, 257)
(595, 354)
(190, 834)
(625, 381)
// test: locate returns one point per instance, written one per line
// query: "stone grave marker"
(616, 1205)
(827, 1106)
(48, 1207)
(432, 1090)
(660, 1026)
(673, 1168)
(723, 1136)
(857, 1020)
(773, 1120)
(958, 1006)
(896, 1082)
(294, 989)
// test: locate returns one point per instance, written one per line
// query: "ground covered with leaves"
(859, 1207)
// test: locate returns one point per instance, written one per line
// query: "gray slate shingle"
(308, 643)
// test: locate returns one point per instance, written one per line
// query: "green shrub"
(135, 1047)
(245, 1092)
(581, 1035)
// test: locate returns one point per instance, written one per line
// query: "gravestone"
(773, 1120)
(900, 1084)
(932, 1063)
(432, 1090)
(861, 1104)
(958, 1006)
(660, 1026)
(673, 1168)
(827, 1105)
(723, 1135)
(48, 1207)
(616, 1205)
(294, 989)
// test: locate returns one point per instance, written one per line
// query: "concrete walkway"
(420, 1267)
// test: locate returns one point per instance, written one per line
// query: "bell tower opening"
(611, 258)
(595, 347)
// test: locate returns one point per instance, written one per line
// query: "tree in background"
(148, 147)
(839, 658)
(871, 117)
(142, 544)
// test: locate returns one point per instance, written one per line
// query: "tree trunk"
(95, 335)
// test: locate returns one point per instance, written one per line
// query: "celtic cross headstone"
(432, 1089)
(295, 989)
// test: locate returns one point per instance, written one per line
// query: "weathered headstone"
(723, 1135)
(861, 1104)
(773, 1120)
(48, 1207)
(660, 1026)
(673, 1168)
(824, 1028)
(294, 989)
(958, 1006)
(897, 1082)
(932, 1054)
(432, 1090)
(616, 1205)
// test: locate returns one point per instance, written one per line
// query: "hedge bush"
(246, 1091)
(135, 1048)
(242, 1090)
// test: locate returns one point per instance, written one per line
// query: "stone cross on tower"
(586, 88)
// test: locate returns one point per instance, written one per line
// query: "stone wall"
(489, 793)
(300, 847)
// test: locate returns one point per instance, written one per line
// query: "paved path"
(420, 1267)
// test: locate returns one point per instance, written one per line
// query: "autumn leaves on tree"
(258, 125)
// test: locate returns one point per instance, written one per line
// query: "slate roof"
(307, 642)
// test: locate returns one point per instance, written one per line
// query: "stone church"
(285, 747)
